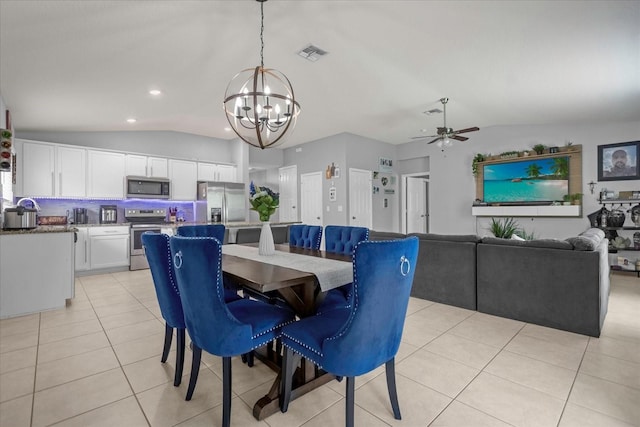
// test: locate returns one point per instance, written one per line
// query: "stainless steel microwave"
(140, 187)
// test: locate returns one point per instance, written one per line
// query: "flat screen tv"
(536, 181)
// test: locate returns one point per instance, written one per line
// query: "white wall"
(452, 184)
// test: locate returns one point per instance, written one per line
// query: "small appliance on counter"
(108, 214)
(21, 217)
(80, 216)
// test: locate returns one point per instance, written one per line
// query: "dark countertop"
(41, 229)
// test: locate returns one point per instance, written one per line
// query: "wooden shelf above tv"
(575, 186)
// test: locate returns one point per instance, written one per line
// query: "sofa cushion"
(588, 240)
(447, 237)
(536, 243)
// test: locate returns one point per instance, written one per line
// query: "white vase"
(266, 245)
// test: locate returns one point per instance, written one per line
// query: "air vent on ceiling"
(312, 53)
(433, 111)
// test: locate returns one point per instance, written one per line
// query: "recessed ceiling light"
(131, 120)
(155, 92)
(228, 129)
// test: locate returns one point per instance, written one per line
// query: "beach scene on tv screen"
(544, 180)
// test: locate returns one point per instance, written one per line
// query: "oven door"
(136, 236)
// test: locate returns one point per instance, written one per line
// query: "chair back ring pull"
(404, 261)
(177, 259)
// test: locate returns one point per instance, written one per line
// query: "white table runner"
(330, 273)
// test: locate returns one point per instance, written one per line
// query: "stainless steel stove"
(142, 220)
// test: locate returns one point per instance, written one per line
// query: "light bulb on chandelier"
(260, 104)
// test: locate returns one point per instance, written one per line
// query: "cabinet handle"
(60, 183)
(53, 184)
(85, 251)
(146, 171)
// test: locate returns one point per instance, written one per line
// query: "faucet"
(28, 199)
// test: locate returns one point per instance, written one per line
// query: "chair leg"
(195, 369)
(286, 379)
(168, 336)
(351, 391)
(179, 356)
(226, 391)
(390, 368)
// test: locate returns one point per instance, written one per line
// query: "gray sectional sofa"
(562, 284)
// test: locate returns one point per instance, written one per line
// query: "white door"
(72, 172)
(226, 173)
(417, 213)
(360, 198)
(288, 179)
(184, 179)
(106, 174)
(158, 167)
(38, 167)
(311, 198)
(206, 171)
(136, 165)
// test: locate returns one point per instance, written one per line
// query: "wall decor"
(618, 162)
(385, 165)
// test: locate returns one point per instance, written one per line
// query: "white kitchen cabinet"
(82, 249)
(184, 179)
(139, 165)
(106, 172)
(36, 272)
(49, 170)
(108, 247)
(216, 172)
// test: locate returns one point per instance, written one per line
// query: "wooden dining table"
(301, 291)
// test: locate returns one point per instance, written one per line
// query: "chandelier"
(259, 102)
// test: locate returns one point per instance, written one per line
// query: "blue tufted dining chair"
(210, 230)
(218, 231)
(305, 236)
(353, 341)
(220, 328)
(341, 239)
(158, 253)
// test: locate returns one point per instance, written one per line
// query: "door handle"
(317, 217)
(353, 217)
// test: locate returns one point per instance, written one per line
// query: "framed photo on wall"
(618, 162)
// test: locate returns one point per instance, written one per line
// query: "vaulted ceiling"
(88, 65)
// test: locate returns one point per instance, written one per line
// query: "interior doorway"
(311, 198)
(415, 203)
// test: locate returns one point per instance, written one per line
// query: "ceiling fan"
(445, 134)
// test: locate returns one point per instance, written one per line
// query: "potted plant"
(575, 198)
(539, 148)
(503, 228)
(566, 199)
(477, 159)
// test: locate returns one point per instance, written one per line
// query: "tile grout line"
(35, 371)
(455, 399)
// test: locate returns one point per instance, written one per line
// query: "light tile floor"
(97, 363)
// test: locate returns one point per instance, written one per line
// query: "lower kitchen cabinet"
(108, 247)
(36, 272)
(82, 249)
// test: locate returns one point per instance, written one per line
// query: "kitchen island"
(36, 269)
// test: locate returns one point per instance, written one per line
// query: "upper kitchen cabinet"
(138, 165)
(106, 172)
(53, 171)
(215, 172)
(184, 179)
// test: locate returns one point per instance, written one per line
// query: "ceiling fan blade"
(473, 129)
(424, 136)
(459, 138)
(431, 142)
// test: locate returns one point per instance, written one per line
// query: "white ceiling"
(88, 65)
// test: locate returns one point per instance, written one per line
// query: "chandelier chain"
(261, 34)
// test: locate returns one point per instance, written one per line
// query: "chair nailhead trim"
(302, 345)
(278, 326)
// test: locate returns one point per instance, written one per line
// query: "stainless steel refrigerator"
(221, 202)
